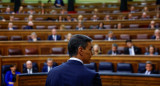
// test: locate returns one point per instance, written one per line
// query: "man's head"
(149, 66)
(10, 25)
(110, 34)
(157, 32)
(114, 47)
(8, 9)
(49, 62)
(54, 31)
(33, 35)
(129, 43)
(80, 47)
(29, 64)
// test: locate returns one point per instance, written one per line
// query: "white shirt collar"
(73, 58)
(29, 71)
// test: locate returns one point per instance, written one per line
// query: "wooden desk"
(73, 25)
(43, 34)
(108, 79)
(59, 59)
(85, 15)
(44, 47)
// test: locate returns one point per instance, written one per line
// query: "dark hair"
(12, 65)
(75, 42)
(129, 40)
(151, 46)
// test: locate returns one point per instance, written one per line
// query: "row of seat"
(34, 51)
(121, 67)
(103, 67)
(95, 37)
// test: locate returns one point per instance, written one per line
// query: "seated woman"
(30, 25)
(101, 26)
(20, 11)
(107, 18)
(33, 37)
(62, 27)
(10, 76)
(151, 51)
(69, 35)
(96, 49)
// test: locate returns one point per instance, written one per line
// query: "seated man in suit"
(10, 26)
(73, 72)
(54, 36)
(80, 26)
(114, 50)
(149, 69)
(30, 25)
(33, 37)
(110, 36)
(144, 16)
(156, 35)
(49, 66)
(58, 3)
(131, 49)
(29, 68)
(153, 25)
(8, 10)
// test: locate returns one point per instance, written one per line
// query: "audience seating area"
(115, 70)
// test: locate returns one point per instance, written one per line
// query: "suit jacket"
(136, 50)
(61, 1)
(13, 28)
(34, 70)
(153, 37)
(58, 37)
(110, 52)
(72, 73)
(9, 77)
(152, 72)
(156, 26)
(32, 39)
(28, 27)
(45, 67)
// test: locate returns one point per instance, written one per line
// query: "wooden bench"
(43, 34)
(108, 79)
(45, 47)
(87, 24)
(85, 15)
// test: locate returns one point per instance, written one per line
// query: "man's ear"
(80, 51)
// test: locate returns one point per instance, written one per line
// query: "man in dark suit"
(131, 49)
(156, 35)
(58, 3)
(110, 36)
(73, 72)
(149, 69)
(54, 35)
(29, 68)
(49, 66)
(10, 26)
(114, 50)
